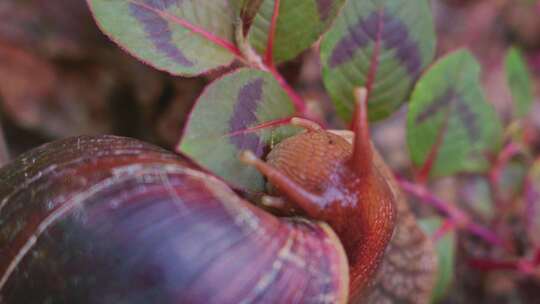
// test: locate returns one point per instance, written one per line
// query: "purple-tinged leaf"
(229, 117)
(299, 23)
(182, 37)
(451, 128)
(383, 45)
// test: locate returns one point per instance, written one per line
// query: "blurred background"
(60, 77)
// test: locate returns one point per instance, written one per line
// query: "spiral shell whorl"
(114, 220)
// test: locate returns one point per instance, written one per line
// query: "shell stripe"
(465, 114)
(120, 174)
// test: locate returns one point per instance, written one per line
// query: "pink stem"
(524, 266)
(425, 171)
(269, 57)
(490, 265)
(446, 227)
(458, 216)
(266, 125)
(484, 233)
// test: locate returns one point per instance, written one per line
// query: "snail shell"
(115, 220)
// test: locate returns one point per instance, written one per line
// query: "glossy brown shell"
(114, 220)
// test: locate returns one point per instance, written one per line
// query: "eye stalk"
(362, 160)
(333, 181)
(309, 202)
(304, 166)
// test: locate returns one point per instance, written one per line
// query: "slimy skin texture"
(331, 180)
(359, 206)
(409, 269)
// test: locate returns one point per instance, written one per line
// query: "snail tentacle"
(362, 159)
(309, 202)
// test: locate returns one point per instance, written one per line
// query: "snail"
(114, 220)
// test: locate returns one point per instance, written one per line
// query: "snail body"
(359, 206)
(343, 187)
(114, 220)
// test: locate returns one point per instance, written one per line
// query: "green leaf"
(446, 247)
(215, 132)
(519, 82)
(380, 44)
(182, 37)
(299, 24)
(449, 123)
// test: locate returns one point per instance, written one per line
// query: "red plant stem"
(251, 58)
(375, 56)
(490, 265)
(269, 124)
(524, 266)
(446, 227)
(269, 57)
(459, 217)
(296, 99)
(423, 175)
(485, 233)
